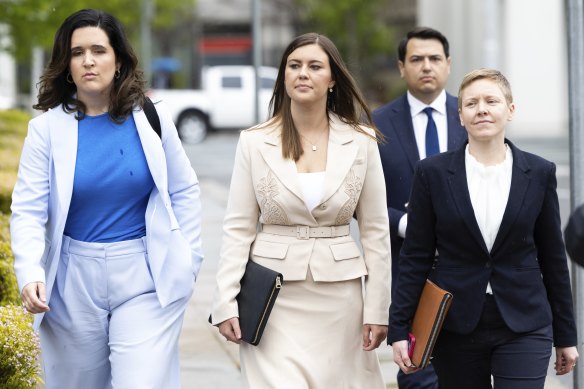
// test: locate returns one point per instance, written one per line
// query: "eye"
(293, 66)
(470, 104)
(315, 67)
(76, 53)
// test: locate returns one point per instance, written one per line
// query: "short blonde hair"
(489, 74)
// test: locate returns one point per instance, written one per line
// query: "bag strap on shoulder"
(152, 116)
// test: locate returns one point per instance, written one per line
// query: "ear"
(332, 83)
(400, 66)
(460, 117)
(511, 111)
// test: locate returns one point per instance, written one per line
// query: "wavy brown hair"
(127, 90)
(346, 100)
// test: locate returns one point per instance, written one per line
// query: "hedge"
(19, 344)
(13, 127)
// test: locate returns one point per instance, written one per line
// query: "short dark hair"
(422, 33)
(128, 88)
(346, 100)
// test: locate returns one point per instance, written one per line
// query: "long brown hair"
(346, 99)
(128, 88)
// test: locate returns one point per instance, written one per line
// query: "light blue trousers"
(105, 327)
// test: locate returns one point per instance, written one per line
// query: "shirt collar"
(416, 106)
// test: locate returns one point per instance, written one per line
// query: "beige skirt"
(313, 340)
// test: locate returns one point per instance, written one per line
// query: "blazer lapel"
(341, 155)
(152, 146)
(459, 192)
(401, 120)
(519, 183)
(63, 128)
(284, 169)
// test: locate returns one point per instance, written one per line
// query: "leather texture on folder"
(259, 288)
(428, 319)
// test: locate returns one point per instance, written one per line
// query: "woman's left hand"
(373, 335)
(566, 358)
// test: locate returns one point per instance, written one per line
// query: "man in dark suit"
(422, 122)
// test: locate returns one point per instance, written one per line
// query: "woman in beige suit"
(302, 176)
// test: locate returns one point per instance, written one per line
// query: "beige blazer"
(265, 188)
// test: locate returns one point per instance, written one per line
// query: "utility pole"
(146, 39)
(257, 54)
(575, 18)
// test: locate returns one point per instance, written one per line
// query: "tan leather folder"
(428, 319)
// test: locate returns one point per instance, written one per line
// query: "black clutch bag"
(259, 288)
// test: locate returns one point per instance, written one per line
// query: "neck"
(426, 98)
(309, 120)
(95, 105)
(488, 153)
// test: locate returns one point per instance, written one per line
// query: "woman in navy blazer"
(484, 224)
(105, 218)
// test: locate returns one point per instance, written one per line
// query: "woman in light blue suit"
(105, 218)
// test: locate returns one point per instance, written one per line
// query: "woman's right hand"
(230, 330)
(401, 357)
(34, 298)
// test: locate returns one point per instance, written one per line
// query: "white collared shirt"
(420, 121)
(489, 188)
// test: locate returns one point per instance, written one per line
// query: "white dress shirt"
(489, 188)
(420, 121)
(312, 185)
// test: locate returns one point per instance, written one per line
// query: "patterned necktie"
(432, 146)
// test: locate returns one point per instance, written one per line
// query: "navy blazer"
(527, 266)
(399, 155)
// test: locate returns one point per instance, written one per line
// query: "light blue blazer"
(42, 195)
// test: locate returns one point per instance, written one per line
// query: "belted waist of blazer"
(306, 232)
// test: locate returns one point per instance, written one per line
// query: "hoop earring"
(69, 78)
(117, 74)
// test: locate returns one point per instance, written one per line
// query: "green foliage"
(13, 126)
(34, 23)
(19, 350)
(9, 293)
(357, 28)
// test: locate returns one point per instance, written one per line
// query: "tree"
(358, 29)
(33, 23)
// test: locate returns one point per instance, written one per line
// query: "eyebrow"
(92, 46)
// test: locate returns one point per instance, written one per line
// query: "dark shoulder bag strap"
(152, 116)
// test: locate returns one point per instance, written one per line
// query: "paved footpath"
(207, 360)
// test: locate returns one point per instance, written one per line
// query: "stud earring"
(331, 90)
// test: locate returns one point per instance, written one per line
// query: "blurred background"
(176, 39)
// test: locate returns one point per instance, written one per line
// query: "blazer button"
(323, 206)
(489, 264)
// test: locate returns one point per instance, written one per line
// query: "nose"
(303, 72)
(482, 108)
(87, 59)
(426, 63)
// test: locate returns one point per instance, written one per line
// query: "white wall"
(7, 75)
(525, 39)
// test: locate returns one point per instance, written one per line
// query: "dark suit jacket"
(399, 155)
(527, 266)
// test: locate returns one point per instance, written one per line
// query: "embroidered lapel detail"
(459, 192)
(342, 151)
(63, 129)
(283, 169)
